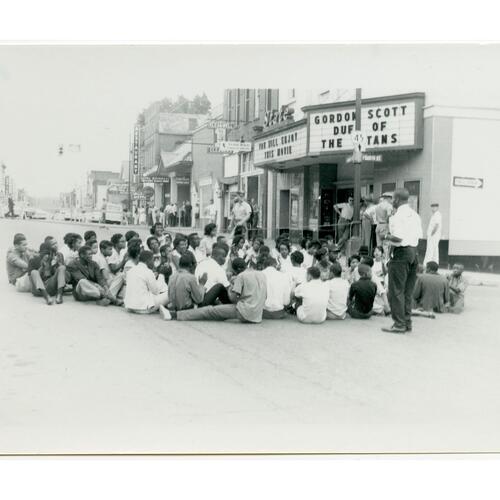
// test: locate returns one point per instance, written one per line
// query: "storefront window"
(413, 188)
(389, 187)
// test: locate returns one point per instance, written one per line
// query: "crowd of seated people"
(188, 278)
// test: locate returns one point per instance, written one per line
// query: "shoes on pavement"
(59, 299)
(103, 302)
(409, 328)
(394, 329)
(165, 313)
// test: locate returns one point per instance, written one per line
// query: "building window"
(388, 187)
(256, 94)
(269, 100)
(193, 123)
(238, 106)
(413, 188)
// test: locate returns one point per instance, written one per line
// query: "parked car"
(66, 214)
(114, 213)
(38, 213)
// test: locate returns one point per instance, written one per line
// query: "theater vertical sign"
(388, 123)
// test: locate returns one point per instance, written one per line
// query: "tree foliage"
(200, 104)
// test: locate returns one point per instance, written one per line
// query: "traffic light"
(61, 149)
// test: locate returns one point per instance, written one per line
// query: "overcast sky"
(91, 95)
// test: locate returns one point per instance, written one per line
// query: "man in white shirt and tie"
(405, 229)
(433, 235)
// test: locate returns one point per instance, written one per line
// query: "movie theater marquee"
(386, 125)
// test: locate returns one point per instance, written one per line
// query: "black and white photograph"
(249, 249)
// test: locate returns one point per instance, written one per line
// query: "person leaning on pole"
(405, 229)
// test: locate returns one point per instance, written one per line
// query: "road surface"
(78, 378)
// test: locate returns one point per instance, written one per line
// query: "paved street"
(81, 378)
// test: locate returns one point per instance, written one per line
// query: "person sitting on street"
(323, 263)
(134, 249)
(118, 257)
(186, 291)
(217, 285)
(194, 242)
(278, 290)
(115, 282)
(94, 247)
(352, 274)
(458, 285)
(208, 240)
(338, 293)
(131, 236)
(48, 274)
(296, 274)
(284, 262)
(88, 281)
(431, 293)
(237, 248)
(158, 231)
(314, 294)
(89, 236)
(381, 305)
(165, 267)
(362, 294)
(312, 248)
(180, 248)
(72, 244)
(153, 245)
(247, 294)
(17, 260)
(253, 252)
(144, 293)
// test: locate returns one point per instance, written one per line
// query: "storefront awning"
(229, 180)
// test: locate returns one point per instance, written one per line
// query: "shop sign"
(471, 182)
(158, 179)
(275, 116)
(283, 146)
(183, 181)
(218, 124)
(386, 125)
(118, 189)
(234, 146)
(148, 191)
(136, 150)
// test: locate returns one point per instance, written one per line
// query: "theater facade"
(433, 151)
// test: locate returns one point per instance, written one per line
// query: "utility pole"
(357, 159)
(129, 178)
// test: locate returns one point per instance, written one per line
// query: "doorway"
(284, 219)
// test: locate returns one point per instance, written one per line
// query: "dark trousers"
(355, 314)
(402, 279)
(218, 291)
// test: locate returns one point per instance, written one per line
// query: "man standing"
(10, 202)
(346, 213)
(212, 212)
(367, 222)
(383, 211)
(241, 211)
(433, 235)
(405, 229)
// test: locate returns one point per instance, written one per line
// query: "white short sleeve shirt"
(406, 225)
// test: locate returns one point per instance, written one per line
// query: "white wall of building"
(475, 154)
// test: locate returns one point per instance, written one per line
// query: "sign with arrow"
(470, 182)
